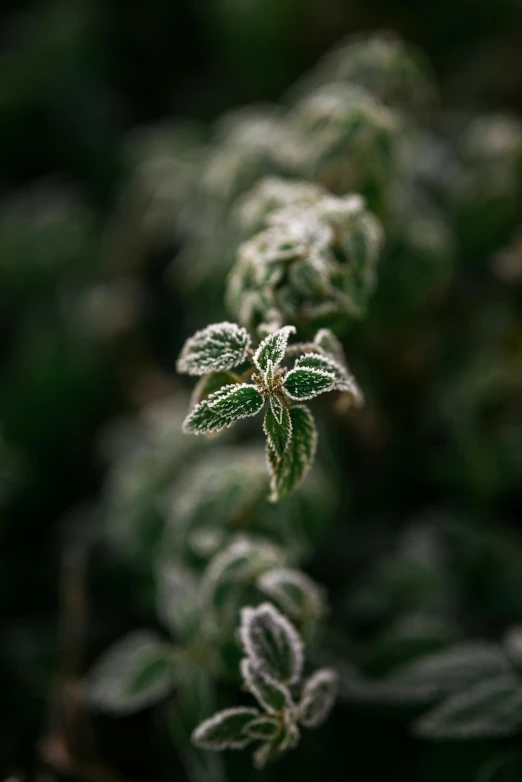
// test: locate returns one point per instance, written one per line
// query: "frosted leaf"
(238, 400)
(304, 383)
(273, 348)
(344, 381)
(133, 674)
(295, 592)
(223, 407)
(287, 472)
(269, 693)
(272, 643)
(225, 730)
(264, 728)
(318, 698)
(278, 433)
(216, 348)
(269, 373)
(277, 407)
(487, 709)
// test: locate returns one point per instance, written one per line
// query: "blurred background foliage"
(411, 521)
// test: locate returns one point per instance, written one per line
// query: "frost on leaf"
(278, 432)
(318, 698)
(288, 471)
(223, 407)
(295, 592)
(273, 348)
(490, 708)
(132, 674)
(216, 348)
(268, 692)
(225, 730)
(305, 383)
(272, 643)
(235, 401)
(343, 380)
(277, 407)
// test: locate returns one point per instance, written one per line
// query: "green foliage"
(290, 429)
(273, 662)
(358, 214)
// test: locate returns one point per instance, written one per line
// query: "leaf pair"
(271, 669)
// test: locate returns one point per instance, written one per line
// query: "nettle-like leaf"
(490, 708)
(133, 674)
(273, 348)
(272, 643)
(295, 592)
(278, 407)
(343, 380)
(278, 433)
(271, 694)
(318, 698)
(225, 730)
(288, 471)
(304, 383)
(215, 348)
(223, 407)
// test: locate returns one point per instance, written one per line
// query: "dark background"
(75, 78)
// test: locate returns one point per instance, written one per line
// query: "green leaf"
(295, 592)
(288, 471)
(277, 406)
(216, 348)
(235, 401)
(263, 728)
(318, 698)
(304, 383)
(225, 730)
(272, 643)
(487, 709)
(273, 348)
(132, 674)
(278, 433)
(343, 380)
(223, 407)
(269, 693)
